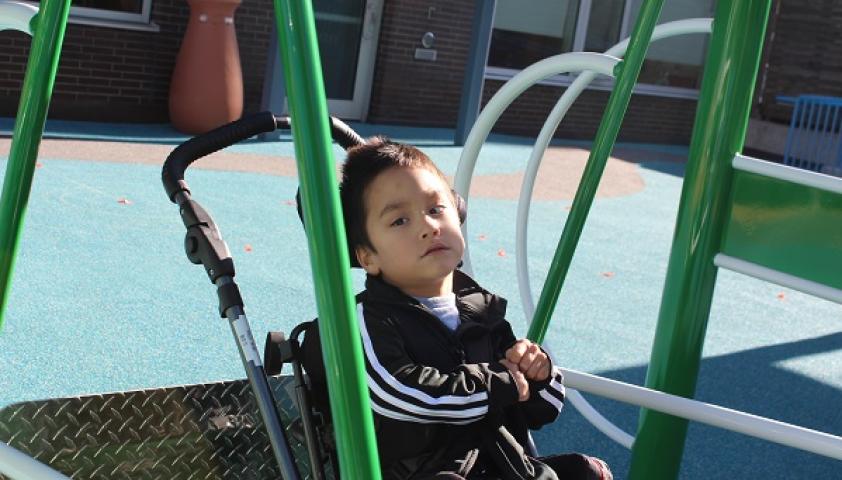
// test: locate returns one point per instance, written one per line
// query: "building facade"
(403, 61)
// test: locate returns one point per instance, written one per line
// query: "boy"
(453, 392)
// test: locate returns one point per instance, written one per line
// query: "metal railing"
(814, 138)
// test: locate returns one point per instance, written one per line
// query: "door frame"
(357, 107)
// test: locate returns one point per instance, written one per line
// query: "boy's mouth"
(435, 248)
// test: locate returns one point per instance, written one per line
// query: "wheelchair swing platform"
(204, 431)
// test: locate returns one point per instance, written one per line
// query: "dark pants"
(570, 466)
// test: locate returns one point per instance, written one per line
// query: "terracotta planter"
(206, 90)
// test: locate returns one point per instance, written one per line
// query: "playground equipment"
(718, 227)
(814, 139)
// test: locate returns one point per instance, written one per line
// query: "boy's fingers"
(509, 365)
(516, 351)
(529, 357)
(540, 371)
(535, 371)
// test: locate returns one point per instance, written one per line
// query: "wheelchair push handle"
(222, 137)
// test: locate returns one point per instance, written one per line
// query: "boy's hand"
(530, 360)
(520, 380)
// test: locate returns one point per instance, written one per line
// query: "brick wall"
(418, 92)
(648, 119)
(123, 75)
(111, 74)
(804, 54)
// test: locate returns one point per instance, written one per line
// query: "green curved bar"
(719, 132)
(29, 127)
(349, 401)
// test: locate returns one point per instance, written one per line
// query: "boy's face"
(414, 226)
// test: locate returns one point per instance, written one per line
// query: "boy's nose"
(431, 227)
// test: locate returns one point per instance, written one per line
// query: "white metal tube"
(787, 173)
(564, 63)
(571, 94)
(16, 16)
(783, 279)
(736, 421)
(20, 466)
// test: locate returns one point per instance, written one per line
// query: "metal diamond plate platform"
(207, 431)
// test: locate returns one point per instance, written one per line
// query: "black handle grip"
(205, 144)
(225, 136)
(344, 135)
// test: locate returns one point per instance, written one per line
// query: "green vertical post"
(326, 239)
(721, 120)
(606, 135)
(29, 126)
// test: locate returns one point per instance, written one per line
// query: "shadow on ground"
(751, 381)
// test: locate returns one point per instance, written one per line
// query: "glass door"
(347, 32)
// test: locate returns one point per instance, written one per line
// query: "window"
(131, 14)
(525, 32)
(677, 61)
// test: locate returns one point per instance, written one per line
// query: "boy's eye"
(437, 210)
(398, 222)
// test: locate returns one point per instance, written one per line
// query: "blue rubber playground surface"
(103, 298)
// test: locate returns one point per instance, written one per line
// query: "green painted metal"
(719, 132)
(785, 226)
(340, 334)
(606, 135)
(29, 127)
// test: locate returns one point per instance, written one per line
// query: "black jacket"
(442, 402)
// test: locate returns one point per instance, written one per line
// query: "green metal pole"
(721, 120)
(606, 135)
(29, 126)
(349, 401)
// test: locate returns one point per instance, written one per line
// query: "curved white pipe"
(495, 107)
(16, 16)
(597, 420)
(563, 63)
(571, 94)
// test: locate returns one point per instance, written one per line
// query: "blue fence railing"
(814, 140)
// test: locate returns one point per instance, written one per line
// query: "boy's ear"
(368, 260)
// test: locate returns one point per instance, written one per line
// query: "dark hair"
(362, 165)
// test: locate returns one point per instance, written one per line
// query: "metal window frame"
(651, 89)
(112, 18)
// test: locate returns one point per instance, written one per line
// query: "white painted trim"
(582, 26)
(783, 279)
(787, 173)
(736, 421)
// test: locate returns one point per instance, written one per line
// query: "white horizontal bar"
(20, 466)
(741, 422)
(790, 174)
(783, 279)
